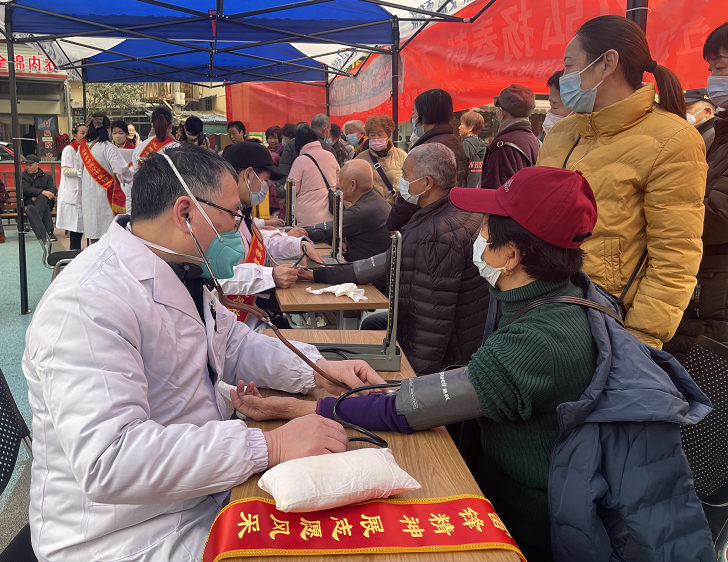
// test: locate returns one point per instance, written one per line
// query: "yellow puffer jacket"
(647, 169)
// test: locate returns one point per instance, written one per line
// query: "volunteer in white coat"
(70, 214)
(128, 360)
(102, 169)
(159, 140)
(254, 165)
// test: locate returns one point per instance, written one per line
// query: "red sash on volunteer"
(256, 254)
(254, 527)
(75, 145)
(107, 180)
(155, 145)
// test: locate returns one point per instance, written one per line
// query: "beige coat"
(392, 167)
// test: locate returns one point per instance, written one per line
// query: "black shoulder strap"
(564, 300)
(319, 169)
(516, 147)
(378, 168)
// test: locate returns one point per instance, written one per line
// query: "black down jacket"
(443, 300)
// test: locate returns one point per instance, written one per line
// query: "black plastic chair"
(13, 432)
(705, 443)
(52, 260)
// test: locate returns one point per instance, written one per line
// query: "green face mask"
(226, 249)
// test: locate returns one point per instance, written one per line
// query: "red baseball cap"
(556, 205)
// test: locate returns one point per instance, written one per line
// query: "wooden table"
(323, 247)
(429, 456)
(297, 299)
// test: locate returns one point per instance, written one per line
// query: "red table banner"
(254, 527)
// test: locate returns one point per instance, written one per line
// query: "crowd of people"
(623, 202)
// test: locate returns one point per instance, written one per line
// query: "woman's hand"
(273, 221)
(304, 275)
(251, 404)
(353, 373)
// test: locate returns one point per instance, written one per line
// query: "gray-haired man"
(443, 299)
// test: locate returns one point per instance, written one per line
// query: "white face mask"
(405, 193)
(693, 121)
(718, 90)
(487, 272)
(550, 120)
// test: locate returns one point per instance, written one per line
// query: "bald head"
(355, 179)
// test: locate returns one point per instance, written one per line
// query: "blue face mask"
(352, 138)
(573, 97)
(327, 141)
(226, 249)
(257, 197)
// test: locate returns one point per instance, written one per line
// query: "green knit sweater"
(521, 374)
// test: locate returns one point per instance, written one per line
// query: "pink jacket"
(312, 203)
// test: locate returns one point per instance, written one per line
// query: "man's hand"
(305, 437)
(297, 232)
(273, 221)
(250, 403)
(353, 373)
(312, 253)
(304, 275)
(285, 275)
(48, 194)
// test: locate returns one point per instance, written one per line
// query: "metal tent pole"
(83, 82)
(637, 12)
(328, 99)
(16, 153)
(395, 79)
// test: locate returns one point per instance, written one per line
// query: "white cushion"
(326, 481)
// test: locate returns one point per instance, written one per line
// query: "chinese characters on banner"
(254, 527)
(34, 64)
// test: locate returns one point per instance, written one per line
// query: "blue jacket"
(620, 488)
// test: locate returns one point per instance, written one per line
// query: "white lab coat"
(253, 279)
(70, 213)
(135, 164)
(133, 448)
(97, 214)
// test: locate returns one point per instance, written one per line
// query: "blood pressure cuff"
(438, 399)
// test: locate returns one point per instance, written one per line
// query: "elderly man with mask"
(364, 227)
(257, 273)
(134, 451)
(443, 299)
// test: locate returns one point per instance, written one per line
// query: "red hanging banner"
(254, 527)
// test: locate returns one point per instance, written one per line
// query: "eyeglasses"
(238, 216)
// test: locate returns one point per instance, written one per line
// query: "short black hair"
(335, 131)
(553, 81)
(194, 125)
(156, 186)
(541, 260)
(434, 107)
(119, 124)
(237, 124)
(101, 134)
(288, 130)
(304, 135)
(274, 131)
(718, 38)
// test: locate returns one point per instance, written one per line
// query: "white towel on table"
(345, 289)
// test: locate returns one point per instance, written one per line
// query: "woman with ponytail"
(646, 165)
(160, 141)
(102, 169)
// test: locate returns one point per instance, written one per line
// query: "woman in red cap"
(558, 391)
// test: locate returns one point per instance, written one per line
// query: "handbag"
(328, 187)
(378, 168)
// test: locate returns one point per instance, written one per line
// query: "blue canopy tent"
(205, 40)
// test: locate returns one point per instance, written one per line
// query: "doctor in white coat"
(70, 214)
(129, 358)
(254, 165)
(97, 214)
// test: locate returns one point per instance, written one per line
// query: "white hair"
(357, 124)
(434, 160)
(320, 122)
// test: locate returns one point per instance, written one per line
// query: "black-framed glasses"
(238, 216)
